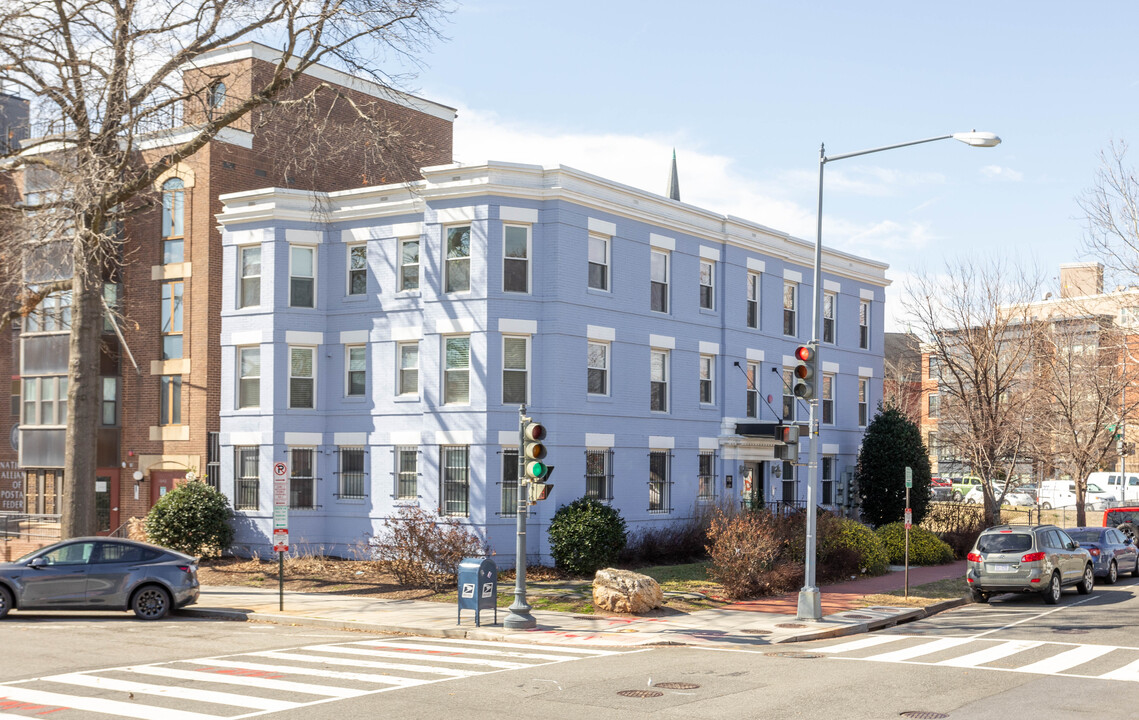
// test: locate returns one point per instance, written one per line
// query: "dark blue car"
(1113, 553)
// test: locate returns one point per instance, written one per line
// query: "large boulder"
(623, 591)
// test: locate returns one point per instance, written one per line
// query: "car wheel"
(1127, 529)
(1112, 574)
(1052, 592)
(6, 599)
(978, 596)
(1085, 586)
(957, 496)
(1045, 506)
(151, 603)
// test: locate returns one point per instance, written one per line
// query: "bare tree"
(901, 375)
(976, 318)
(1111, 209)
(106, 76)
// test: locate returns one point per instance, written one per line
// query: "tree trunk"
(78, 516)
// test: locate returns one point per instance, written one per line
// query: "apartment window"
(659, 481)
(790, 304)
(599, 474)
(863, 401)
(516, 258)
(934, 407)
(706, 475)
(213, 460)
(108, 401)
(356, 369)
(457, 371)
(454, 478)
(302, 276)
(249, 377)
(658, 275)
(864, 324)
(934, 368)
(52, 315)
(302, 380)
(509, 489)
(111, 294)
(597, 381)
(458, 259)
(707, 368)
(658, 380)
(515, 362)
(707, 284)
(789, 491)
(406, 472)
(826, 482)
(246, 478)
(828, 399)
(598, 262)
(409, 264)
(302, 481)
(249, 293)
(829, 301)
(753, 300)
(172, 320)
(357, 269)
(14, 389)
(173, 212)
(170, 406)
(788, 395)
(931, 445)
(408, 368)
(45, 401)
(752, 390)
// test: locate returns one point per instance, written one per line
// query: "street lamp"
(810, 604)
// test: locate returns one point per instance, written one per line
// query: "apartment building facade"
(383, 351)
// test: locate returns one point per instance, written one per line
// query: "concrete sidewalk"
(758, 622)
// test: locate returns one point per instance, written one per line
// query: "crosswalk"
(1040, 657)
(258, 682)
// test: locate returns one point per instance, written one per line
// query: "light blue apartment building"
(380, 341)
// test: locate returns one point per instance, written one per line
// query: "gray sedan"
(100, 574)
(1113, 553)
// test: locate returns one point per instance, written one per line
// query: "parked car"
(1026, 558)
(1012, 497)
(1113, 483)
(939, 482)
(1062, 493)
(98, 573)
(1112, 552)
(962, 486)
(1124, 519)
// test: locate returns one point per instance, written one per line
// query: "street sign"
(280, 540)
(909, 518)
(280, 507)
(909, 476)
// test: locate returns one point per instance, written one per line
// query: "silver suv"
(1024, 558)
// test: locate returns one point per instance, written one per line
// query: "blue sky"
(746, 92)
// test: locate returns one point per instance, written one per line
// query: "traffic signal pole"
(520, 617)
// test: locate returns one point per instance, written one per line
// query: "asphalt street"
(1014, 656)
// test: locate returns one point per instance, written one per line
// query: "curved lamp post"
(810, 603)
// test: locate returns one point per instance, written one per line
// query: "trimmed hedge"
(854, 537)
(925, 547)
(585, 536)
(193, 518)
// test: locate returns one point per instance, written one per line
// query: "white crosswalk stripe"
(248, 684)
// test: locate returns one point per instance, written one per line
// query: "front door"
(752, 484)
(106, 500)
(162, 482)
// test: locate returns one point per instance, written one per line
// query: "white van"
(1113, 483)
(1062, 493)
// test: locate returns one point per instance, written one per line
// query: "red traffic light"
(534, 431)
(804, 353)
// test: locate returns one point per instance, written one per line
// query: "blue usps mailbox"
(478, 587)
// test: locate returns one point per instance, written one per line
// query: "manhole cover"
(856, 616)
(790, 625)
(1070, 631)
(676, 685)
(923, 714)
(640, 693)
(755, 631)
(794, 654)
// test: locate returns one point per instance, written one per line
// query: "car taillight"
(1094, 551)
(185, 568)
(1033, 557)
(973, 557)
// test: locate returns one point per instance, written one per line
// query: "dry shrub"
(423, 550)
(672, 543)
(746, 550)
(958, 524)
(136, 529)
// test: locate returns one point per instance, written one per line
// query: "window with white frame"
(660, 462)
(790, 304)
(302, 478)
(170, 403)
(830, 299)
(357, 269)
(249, 377)
(302, 276)
(408, 368)
(249, 290)
(108, 399)
(508, 490)
(455, 480)
(457, 370)
(828, 399)
(406, 472)
(788, 395)
(172, 320)
(45, 400)
(599, 474)
(597, 381)
(516, 258)
(658, 276)
(934, 406)
(173, 227)
(458, 270)
(707, 284)
(598, 262)
(52, 315)
(409, 264)
(515, 369)
(752, 408)
(826, 483)
(246, 478)
(707, 372)
(351, 483)
(302, 378)
(706, 476)
(753, 289)
(658, 380)
(356, 370)
(863, 401)
(864, 324)
(790, 493)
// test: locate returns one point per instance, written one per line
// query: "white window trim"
(315, 273)
(529, 257)
(711, 279)
(869, 308)
(443, 367)
(418, 264)
(711, 378)
(834, 316)
(755, 279)
(348, 270)
(824, 399)
(667, 280)
(289, 371)
(667, 380)
(608, 240)
(447, 261)
(794, 306)
(290, 449)
(241, 250)
(348, 365)
(529, 374)
(752, 372)
(399, 368)
(39, 381)
(608, 366)
(240, 377)
(864, 388)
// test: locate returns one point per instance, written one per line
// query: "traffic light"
(789, 433)
(805, 372)
(533, 451)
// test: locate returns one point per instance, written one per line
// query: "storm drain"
(923, 714)
(676, 685)
(791, 625)
(794, 654)
(640, 693)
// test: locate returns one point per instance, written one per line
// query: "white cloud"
(996, 172)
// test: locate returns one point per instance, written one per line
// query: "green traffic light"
(535, 469)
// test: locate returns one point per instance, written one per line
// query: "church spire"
(673, 180)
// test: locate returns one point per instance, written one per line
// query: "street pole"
(1123, 432)
(520, 617)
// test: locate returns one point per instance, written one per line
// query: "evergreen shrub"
(193, 518)
(585, 536)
